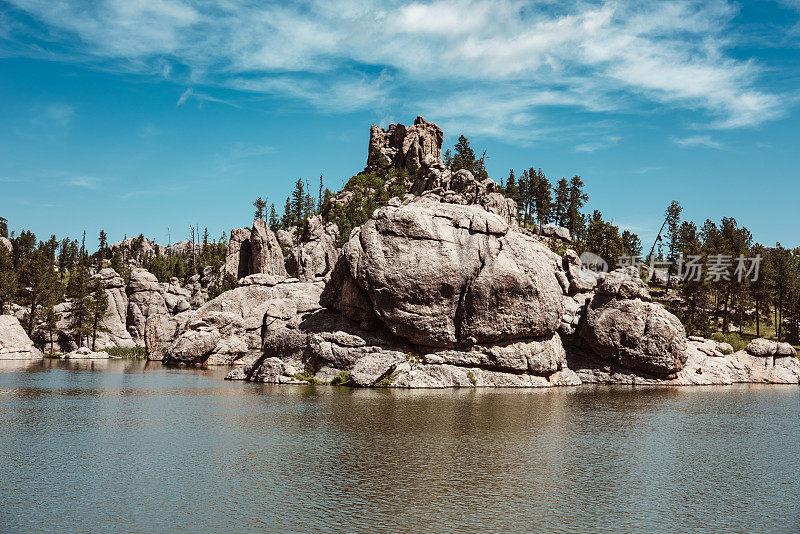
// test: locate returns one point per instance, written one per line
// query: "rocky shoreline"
(440, 288)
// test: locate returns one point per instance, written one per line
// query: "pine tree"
(259, 205)
(524, 196)
(780, 260)
(116, 261)
(287, 219)
(512, 190)
(273, 218)
(673, 218)
(103, 239)
(3, 227)
(24, 245)
(64, 259)
(543, 198)
(310, 206)
(577, 199)
(694, 287)
(80, 311)
(479, 169)
(759, 288)
(464, 157)
(298, 203)
(98, 306)
(561, 202)
(319, 198)
(448, 159)
(50, 248)
(83, 255)
(8, 279)
(51, 318)
(631, 244)
(40, 285)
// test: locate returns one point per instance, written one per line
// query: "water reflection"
(84, 443)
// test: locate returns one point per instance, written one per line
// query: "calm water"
(125, 446)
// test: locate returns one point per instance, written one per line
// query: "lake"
(130, 446)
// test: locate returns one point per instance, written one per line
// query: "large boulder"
(14, 342)
(404, 147)
(542, 356)
(316, 254)
(765, 347)
(162, 330)
(581, 280)
(116, 333)
(6, 242)
(227, 329)
(711, 362)
(444, 275)
(639, 335)
(266, 253)
(145, 298)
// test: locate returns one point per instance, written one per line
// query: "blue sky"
(142, 116)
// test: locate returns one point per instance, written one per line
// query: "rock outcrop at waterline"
(14, 342)
(432, 294)
(228, 329)
(443, 289)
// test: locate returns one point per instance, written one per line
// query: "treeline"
(166, 264)
(367, 192)
(726, 279)
(38, 275)
(541, 202)
(299, 206)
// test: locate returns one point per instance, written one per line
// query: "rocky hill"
(437, 286)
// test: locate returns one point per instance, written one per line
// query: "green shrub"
(387, 380)
(413, 358)
(557, 246)
(307, 375)
(221, 285)
(370, 192)
(342, 379)
(472, 378)
(137, 352)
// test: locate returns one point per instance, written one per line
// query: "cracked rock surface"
(446, 275)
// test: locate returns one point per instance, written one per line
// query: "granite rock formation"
(404, 147)
(14, 342)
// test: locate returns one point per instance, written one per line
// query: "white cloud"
(184, 97)
(454, 58)
(86, 182)
(54, 116)
(200, 98)
(698, 141)
(592, 146)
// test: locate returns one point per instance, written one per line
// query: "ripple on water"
(124, 445)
